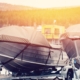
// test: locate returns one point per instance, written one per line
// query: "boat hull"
(15, 57)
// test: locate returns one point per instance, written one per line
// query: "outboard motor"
(71, 43)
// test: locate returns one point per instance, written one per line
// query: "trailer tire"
(69, 75)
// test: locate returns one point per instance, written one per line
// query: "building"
(52, 32)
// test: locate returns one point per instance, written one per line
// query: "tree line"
(63, 16)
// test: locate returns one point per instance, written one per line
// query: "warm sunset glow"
(44, 3)
(33, 13)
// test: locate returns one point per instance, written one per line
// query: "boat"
(24, 49)
(71, 43)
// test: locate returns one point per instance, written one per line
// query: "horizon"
(44, 3)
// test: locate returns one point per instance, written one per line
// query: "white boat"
(23, 49)
(71, 43)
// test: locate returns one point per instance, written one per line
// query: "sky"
(44, 3)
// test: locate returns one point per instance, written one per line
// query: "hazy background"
(39, 12)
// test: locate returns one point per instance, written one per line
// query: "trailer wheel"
(69, 76)
(56, 78)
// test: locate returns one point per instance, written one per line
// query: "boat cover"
(73, 30)
(23, 35)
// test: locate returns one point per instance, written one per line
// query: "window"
(47, 31)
